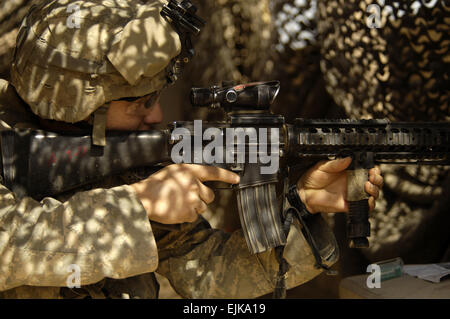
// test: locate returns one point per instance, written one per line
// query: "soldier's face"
(133, 116)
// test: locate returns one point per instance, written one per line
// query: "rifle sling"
(307, 220)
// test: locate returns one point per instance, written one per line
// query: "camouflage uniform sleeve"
(105, 232)
(201, 262)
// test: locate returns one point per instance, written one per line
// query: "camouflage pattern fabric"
(40, 240)
(69, 62)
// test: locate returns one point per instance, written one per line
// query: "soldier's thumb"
(335, 166)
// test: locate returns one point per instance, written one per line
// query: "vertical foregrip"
(358, 226)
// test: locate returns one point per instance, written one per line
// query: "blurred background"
(331, 64)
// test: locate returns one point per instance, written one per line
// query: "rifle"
(38, 163)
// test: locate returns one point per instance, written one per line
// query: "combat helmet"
(73, 57)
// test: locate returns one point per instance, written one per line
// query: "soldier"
(106, 69)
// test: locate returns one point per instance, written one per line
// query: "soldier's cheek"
(154, 115)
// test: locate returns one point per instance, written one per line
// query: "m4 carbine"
(39, 163)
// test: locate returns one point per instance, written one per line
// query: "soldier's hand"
(176, 193)
(323, 188)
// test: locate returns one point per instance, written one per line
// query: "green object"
(391, 268)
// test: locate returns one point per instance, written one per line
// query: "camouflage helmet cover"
(72, 57)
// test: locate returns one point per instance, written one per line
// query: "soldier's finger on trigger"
(211, 173)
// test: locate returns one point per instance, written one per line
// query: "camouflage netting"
(297, 62)
(239, 33)
(398, 71)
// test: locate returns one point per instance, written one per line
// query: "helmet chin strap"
(99, 126)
